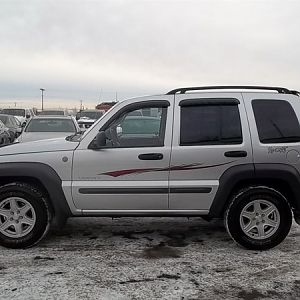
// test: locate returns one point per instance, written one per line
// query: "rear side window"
(276, 121)
(210, 125)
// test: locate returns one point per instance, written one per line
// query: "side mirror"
(99, 142)
(27, 116)
(101, 139)
(23, 124)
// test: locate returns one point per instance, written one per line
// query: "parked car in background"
(4, 135)
(14, 127)
(23, 114)
(48, 127)
(135, 126)
(51, 112)
(86, 118)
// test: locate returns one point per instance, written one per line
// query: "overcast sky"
(89, 50)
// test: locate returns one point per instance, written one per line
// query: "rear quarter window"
(276, 121)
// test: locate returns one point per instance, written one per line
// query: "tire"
(258, 218)
(24, 215)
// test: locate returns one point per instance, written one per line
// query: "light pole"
(42, 90)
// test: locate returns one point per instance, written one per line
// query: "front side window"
(210, 125)
(276, 121)
(133, 129)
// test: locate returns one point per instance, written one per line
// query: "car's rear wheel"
(258, 218)
(24, 215)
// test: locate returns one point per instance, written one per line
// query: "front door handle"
(236, 154)
(151, 156)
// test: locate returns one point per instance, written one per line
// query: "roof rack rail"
(280, 90)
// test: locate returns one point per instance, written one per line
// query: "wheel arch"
(43, 177)
(284, 178)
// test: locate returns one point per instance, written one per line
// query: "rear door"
(211, 135)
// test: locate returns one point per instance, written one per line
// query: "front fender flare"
(46, 176)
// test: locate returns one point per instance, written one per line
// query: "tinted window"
(276, 121)
(50, 125)
(95, 115)
(14, 112)
(51, 113)
(210, 125)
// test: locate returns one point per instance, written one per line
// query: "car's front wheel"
(24, 215)
(258, 218)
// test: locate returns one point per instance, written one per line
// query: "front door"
(131, 171)
(210, 135)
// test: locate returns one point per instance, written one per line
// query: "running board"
(145, 213)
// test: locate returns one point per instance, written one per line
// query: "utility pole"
(42, 90)
(80, 105)
(116, 96)
(100, 96)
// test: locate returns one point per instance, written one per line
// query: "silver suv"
(216, 152)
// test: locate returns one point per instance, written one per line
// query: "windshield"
(51, 125)
(90, 114)
(4, 119)
(14, 112)
(51, 113)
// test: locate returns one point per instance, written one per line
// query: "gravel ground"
(149, 258)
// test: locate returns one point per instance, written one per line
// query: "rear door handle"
(235, 154)
(151, 156)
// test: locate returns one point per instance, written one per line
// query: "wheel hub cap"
(17, 217)
(260, 219)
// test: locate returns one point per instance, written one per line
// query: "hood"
(37, 136)
(51, 145)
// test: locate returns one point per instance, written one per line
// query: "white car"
(88, 117)
(22, 114)
(48, 127)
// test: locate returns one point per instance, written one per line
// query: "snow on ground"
(149, 258)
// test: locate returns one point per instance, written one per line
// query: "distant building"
(106, 105)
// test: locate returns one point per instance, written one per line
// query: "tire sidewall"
(232, 217)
